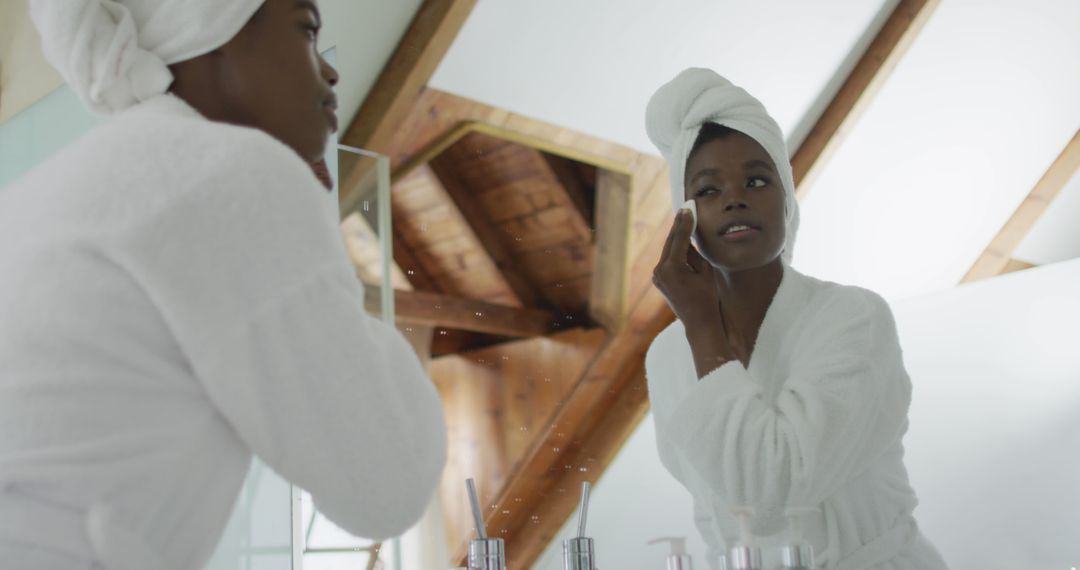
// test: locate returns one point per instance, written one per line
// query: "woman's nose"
(329, 73)
(735, 200)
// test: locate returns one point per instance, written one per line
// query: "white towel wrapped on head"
(697, 96)
(115, 54)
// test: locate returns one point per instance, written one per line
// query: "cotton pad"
(692, 206)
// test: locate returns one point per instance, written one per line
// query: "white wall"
(992, 451)
(993, 443)
(969, 121)
(366, 33)
(592, 66)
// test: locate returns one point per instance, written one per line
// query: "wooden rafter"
(574, 426)
(576, 190)
(403, 78)
(438, 310)
(862, 84)
(1016, 265)
(611, 266)
(411, 266)
(424, 253)
(996, 258)
(490, 239)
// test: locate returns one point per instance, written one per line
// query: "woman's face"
(740, 203)
(273, 78)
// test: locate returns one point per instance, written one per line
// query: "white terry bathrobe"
(815, 423)
(176, 298)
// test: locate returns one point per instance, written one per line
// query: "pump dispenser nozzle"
(678, 559)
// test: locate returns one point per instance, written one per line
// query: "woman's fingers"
(666, 253)
(695, 260)
(673, 247)
(682, 232)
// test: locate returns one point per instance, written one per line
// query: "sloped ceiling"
(967, 124)
(591, 66)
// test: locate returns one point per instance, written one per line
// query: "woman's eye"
(707, 190)
(312, 31)
(757, 182)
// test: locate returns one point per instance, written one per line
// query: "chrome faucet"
(579, 552)
(484, 553)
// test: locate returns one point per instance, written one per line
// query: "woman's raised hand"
(687, 282)
(685, 278)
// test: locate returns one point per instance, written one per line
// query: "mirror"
(513, 216)
(528, 198)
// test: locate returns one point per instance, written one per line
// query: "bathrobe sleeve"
(843, 402)
(245, 263)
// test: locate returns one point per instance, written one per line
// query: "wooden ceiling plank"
(862, 85)
(996, 257)
(437, 226)
(576, 193)
(403, 78)
(1015, 265)
(611, 265)
(587, 458)
(491, 239)
(447, 311)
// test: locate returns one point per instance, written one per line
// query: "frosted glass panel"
(365, 228)
(259, 533)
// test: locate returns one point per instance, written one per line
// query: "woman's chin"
(730, 265)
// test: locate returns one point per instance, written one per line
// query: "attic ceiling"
(497, 221)
(982, 100)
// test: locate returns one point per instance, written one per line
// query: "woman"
(176, 298)
(774, 393)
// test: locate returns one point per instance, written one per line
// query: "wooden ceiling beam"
(403, 78)
(410, 264)
(437, 310)
(490, 238)
(1015, 265)
(588, 456)
(598, 413)
(995, 259)
(862, 84)
(611, 264)
(562, 170)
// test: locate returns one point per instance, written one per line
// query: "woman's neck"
(745, 297)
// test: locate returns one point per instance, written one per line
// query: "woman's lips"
(331, 117)
(739, 235)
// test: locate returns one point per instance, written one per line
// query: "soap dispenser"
(578, 552)
(678, 559)
(797, 553)
(484, 553)
(744, 556)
